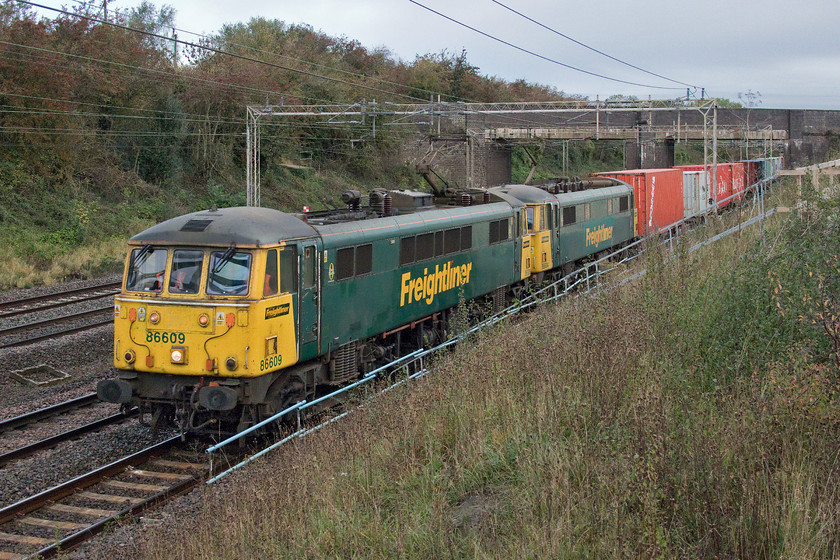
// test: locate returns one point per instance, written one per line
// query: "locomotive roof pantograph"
(523, 193)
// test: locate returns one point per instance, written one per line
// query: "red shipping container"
(739, 179)
(657, 195)
(724, 180)
(724, 184)
(753, 171)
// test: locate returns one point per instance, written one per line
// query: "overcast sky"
(789, 52)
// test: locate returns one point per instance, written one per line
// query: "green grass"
(69, 231)
(685, 416)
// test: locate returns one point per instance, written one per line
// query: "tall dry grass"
(89, 260)
(655, 421)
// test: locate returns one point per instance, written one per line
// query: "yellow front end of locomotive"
(181, 329)
(204, 339)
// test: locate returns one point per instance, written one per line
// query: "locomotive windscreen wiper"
(141, 256)
(225, 258)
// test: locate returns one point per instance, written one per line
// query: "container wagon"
(658, 194)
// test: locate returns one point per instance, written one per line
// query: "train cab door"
(526, 217)
(546, 260)
(309, 302)
(554, 208)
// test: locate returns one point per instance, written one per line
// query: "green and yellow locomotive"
(228, 316)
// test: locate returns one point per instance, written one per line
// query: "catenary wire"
(540, 56)
(593, 49)
(167, 73)
(232, 86)
(331, 68)
(220, 51)
(155, 71)
(183, 42)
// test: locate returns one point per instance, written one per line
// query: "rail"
(60, 299)
(48, 412)
(52, 441)
(45, 323)
(172, 484)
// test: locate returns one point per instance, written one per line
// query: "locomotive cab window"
(623, 204)
(270, 287)
(307, 271)
(288, 270)
(185, 276)
(229, 272)
(145, 269)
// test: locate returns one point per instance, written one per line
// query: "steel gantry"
(474, 124)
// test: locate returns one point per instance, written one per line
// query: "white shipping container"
(695, 192)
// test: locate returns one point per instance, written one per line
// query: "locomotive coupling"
(217, 398)
(113, 391)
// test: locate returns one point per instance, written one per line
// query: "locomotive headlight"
(129, 356)
(178, 355)
(154, 318)
(231, 363)
(203, 320)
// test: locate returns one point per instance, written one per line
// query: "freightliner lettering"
(426, 287)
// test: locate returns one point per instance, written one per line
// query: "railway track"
(33, 319)
(66, 515)
(43, 413)
(31, 418)
(59, 299)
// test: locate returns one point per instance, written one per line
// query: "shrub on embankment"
(692, 414)
(106, 131)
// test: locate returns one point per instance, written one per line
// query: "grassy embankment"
(54, 233)
(692, 414)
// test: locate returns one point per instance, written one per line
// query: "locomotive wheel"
(283, 393)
